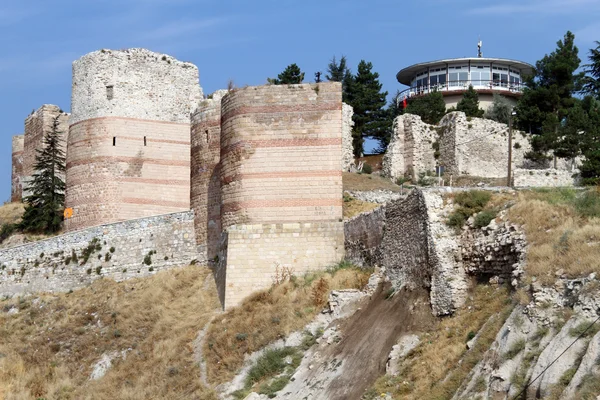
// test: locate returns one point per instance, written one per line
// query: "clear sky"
(250, 40)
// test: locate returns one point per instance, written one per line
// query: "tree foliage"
(500, 110)
(591, 82)
(431, 107)
(371, 119)
(548, 98)
(469, 104)
(290, 75)
(340, 72)
(45, 203)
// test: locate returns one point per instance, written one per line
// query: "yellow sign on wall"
(68, 213)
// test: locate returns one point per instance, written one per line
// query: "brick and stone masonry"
(281, 184)
(205, 195)
(16, 192)
(37, 126)
(129, 139)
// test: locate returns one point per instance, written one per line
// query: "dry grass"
(366, 182)
(353, 207)
(270, 315)
(469, 181)
(11, 213)
(51, 344)
(432, 370)
(560, 235)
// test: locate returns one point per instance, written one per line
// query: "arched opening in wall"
(114, 140)
(110, 92)
(144, 140)
(206, 136)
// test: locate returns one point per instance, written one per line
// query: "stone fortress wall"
(260, 168)
(464, 146)
(281, 184)
(119, 251)
(129, 137)
(16, 192)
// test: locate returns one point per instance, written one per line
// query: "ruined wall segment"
(281, 183)
(347, 148)
(129, 140)
(119, 251)
(205, 196)
(478, 147)
(16, 192)
(37, 125)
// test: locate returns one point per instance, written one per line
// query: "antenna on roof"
(479, 45)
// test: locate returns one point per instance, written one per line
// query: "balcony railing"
(461, 86)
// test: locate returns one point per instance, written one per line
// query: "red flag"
(404, 104)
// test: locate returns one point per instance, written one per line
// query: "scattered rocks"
(405, 345)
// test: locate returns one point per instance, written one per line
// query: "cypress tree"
(45, 203)
(469, 104)
(290, 75)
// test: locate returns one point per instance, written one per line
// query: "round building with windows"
(452, 77)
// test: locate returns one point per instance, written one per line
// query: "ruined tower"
(129, 137)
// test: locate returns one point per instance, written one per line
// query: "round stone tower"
(128, 152)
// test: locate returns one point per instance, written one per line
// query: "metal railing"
(460, 86)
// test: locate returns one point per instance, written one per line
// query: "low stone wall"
(543, 178)
(363, 236)
(119, 251)
(252, 257)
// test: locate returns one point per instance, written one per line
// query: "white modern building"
(452, 78)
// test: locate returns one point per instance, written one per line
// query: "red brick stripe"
(293, 108)
(241, 205)
(129, 119)
(281, 174)
(150, 181)
(114, 159)
(155, 202)
(255, 144)
(108, 140)
(17, 153)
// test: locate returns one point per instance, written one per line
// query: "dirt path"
(344, 370)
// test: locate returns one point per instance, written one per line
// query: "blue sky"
(248, 41)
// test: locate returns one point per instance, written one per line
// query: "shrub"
(515, 349)
(367, 169)
(107, 257)
(484, 218)
(401, 180)
(6, 231)
(473, 199)
(98, 270)
(588, 204)
(456, 220)
(148, 258)
(584, 328)
(112, 249)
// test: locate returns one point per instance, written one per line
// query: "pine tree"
(592, 79)
(367, 99)
(339, 72)
(469, 104)
(290, 75)
(589, 130)
(431, 107)
(548, 97)
(45, 203)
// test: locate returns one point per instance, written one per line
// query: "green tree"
(469, 104)
(588, 128)
(548, 97)
(591, 82)
(45, 203)
(290, 75)
(431, 107)
(500, 110)
(367, 99)
(339, 72)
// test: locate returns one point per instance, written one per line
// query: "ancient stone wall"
(544, 177)
(205, 194)
(410, 151)
(280, 154)
(478, 147)
(281, 184)
(37, 125)
(363, 237)
(129, 138)
(16, 192)
(119, 251)
(256, 255)
(347, 148)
